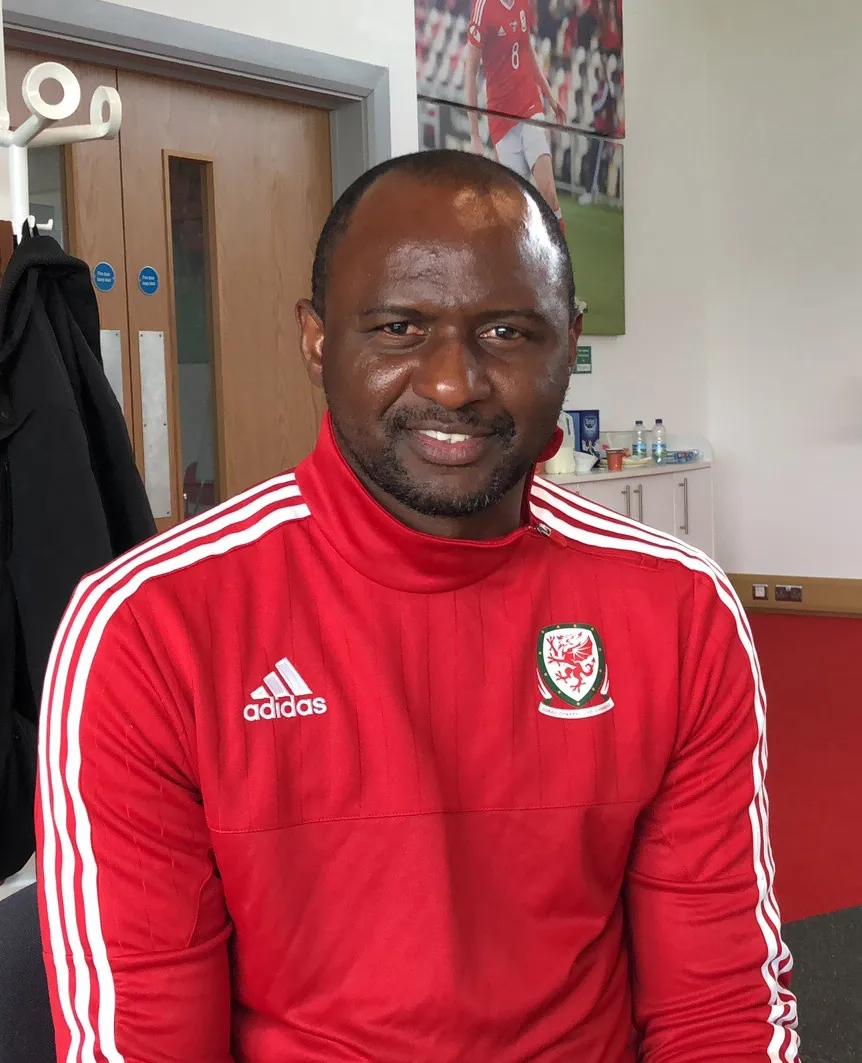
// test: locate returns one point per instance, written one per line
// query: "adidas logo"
(501, 32)
(283, 695)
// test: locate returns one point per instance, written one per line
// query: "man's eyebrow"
(414, 312)
(513, 311)
(391, 308)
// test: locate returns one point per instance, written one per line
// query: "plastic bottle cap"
(658, 420)
(638, 422)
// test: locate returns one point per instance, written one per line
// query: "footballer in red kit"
(409, 754)
(500, 37)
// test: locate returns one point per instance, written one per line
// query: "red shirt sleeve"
(133, 918)
(476, 30)
(710, 969)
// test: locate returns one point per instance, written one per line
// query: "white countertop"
(630, 472)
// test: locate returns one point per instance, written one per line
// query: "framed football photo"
(539, 85)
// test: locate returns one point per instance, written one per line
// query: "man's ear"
(310, 341)
(575, 330)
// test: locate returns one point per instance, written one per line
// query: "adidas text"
(284, 708)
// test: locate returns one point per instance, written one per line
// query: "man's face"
(447, 345)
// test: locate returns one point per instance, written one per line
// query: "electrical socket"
(787, 593)
(760, 592)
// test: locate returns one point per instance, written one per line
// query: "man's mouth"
(446, 437)
(449, 448)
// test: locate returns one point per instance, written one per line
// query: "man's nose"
(451, 375)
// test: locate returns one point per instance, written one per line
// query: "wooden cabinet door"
(695, 518)
(224, 196)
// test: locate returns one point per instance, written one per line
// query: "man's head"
(443, 328)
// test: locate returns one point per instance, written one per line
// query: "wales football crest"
(573, 672)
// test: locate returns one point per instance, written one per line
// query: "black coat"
(71, 498)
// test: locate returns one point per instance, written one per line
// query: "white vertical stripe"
(782, 1003)
(274, 685)
(47, 863)
(294, 680)
(53, 796)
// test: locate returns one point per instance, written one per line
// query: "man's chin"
(433, 490)
(448, 494)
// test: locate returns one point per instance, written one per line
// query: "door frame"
(355, 93)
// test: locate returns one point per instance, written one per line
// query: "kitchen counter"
(628, 473)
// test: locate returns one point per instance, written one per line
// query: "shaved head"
(478, 172)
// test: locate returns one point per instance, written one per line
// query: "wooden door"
(224, 196)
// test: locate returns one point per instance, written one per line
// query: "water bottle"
(659, 442)
(639, 441)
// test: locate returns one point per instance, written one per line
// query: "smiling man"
(410, 755)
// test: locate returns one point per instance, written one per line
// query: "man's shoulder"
(620, 546)
(487, 14)
(210, 544)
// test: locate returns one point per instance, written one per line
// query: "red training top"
(502, 32)
(316, 787)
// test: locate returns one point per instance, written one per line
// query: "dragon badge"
(572, 672)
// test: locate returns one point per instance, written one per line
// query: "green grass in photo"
(595, 236)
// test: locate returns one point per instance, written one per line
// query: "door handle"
(639, 491)
(627, 495)
(685, 522)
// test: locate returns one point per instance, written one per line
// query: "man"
(409, 755)
(499, 37)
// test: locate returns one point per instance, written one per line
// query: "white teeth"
(446, 437)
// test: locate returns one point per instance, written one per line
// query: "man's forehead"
(423, 231)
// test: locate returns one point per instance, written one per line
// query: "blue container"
(587, 430)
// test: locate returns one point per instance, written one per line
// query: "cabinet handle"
(639, 491)
(627, 495)
(685, 525)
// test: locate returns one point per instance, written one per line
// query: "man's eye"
(502, 332)
(400, 328)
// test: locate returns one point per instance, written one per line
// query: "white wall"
(375, 31)
(655, 370)
(783, 200)
(744, 267)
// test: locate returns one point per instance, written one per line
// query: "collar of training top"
(372, 541)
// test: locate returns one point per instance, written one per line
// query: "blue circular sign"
(104, 277)
(148, 280)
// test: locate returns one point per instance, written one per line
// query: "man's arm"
(710, 972)
(545, 88)
(133, 918)
(471, 84)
